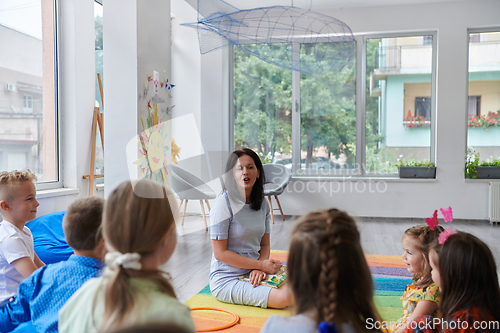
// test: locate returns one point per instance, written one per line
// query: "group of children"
(113, 282)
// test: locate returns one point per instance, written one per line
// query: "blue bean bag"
(48, 236)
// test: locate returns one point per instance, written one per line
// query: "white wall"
(400, 198)
(136, 39)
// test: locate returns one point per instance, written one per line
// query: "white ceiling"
(319, 4)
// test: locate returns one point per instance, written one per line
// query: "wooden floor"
(189, 266)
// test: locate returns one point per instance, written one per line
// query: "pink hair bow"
(447, 214)
(445, 234)
(432, 221)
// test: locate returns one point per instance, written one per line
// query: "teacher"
(239, 230)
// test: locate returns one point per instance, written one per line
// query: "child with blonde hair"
(18, 206)
(329, 278)
(140, 235)
(465, 271)
(422, 296)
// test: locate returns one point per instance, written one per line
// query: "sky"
(22, 15)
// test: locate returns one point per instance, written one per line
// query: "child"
(18, 206)
(466, 273)
(329, 278)
(139, 230)
(40, 296)
(422, 296)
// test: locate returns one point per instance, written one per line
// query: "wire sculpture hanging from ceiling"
(286, 36)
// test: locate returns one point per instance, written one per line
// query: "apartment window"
(423, 107)
(28, 103)
(28, 98)
(323, 135)
(483, 109)
(474, 106)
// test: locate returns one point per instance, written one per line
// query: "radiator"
(494, 203)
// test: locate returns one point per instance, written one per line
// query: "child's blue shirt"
(40, 297)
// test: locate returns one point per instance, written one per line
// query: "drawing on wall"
(286, 36)
(155, 143)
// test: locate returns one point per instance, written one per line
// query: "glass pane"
(398, 101)
(328, 117)
(483, 134)
(99, 162)
(28, 122)
(262, 108)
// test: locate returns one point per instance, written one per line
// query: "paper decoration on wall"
(168, 109)
(269, 33)
(156, 78)
(153, 147)
(154, 142)
(176, 151)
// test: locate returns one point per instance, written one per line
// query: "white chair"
(277, 178)
(189, 187)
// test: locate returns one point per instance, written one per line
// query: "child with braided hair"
(421, 298)
(329, 278)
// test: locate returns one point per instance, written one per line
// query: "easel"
(97, 120)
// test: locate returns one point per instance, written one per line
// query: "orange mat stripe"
(384, 260)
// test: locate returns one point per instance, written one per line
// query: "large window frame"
(361, 78)
(57, 115)
(476, 38)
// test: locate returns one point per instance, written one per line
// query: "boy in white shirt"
(17, 206)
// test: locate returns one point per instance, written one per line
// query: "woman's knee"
(279, 298)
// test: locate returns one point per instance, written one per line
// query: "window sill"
(490, 180)
(363, 179)
(56, 192)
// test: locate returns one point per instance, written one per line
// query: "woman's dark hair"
(327, 270)
(468, 277)
(257, 194)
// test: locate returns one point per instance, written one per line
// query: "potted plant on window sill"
(474, 168)
(416, 169)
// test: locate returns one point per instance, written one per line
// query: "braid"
(329, 272)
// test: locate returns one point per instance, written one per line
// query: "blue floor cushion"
(48, 236)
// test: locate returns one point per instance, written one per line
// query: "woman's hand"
(256, 277)
(270, 266)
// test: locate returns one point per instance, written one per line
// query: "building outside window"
(28, 89)
(483, 131)
(98, 10)
(399, 78)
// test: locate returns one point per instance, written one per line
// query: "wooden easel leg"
(208, 205)
(279, 205)
(203, 213)
(271, 206)
(184, 213)
(92, 156)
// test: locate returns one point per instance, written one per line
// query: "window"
(400, 83)
(399, 113)
(483, 131)
(423, 107)
(99, 162)
(28, 90)
(262, 108)
(474, 106)
(28, 103)
(328, 120)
